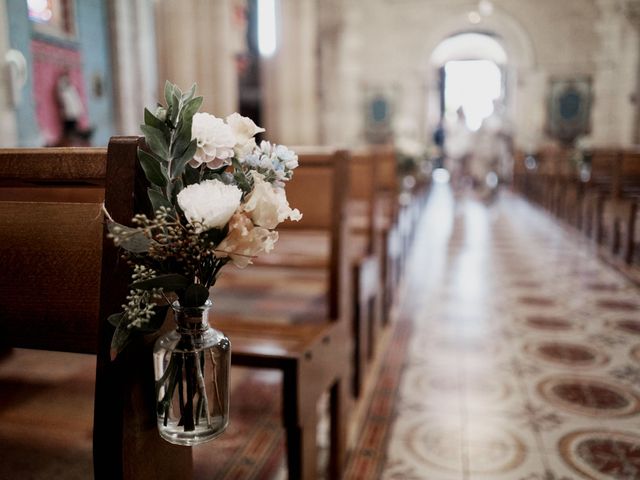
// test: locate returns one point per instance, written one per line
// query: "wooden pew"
(386, 218)
(596, 190)
(302, 247)
(314, 357)
(630, 187)
(367, 265)
(619, 210)
(60, 281)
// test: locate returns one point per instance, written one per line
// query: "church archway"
(471, 73)
(499, 38)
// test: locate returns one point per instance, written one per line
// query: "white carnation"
(209, 204)
(215, 141)
(268, 206)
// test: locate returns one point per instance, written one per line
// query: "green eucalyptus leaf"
(224, 177)
(158, 200)
(151, 120)
(169, 122)
(178, 164)
(175, 107)
(134, 239)
(186, 96)
(218, 174)
(169, 283)
(168, 92)
(191, 107)
(191, 175)
(242, 182)
(115, 319)
(153, 169)
(121, 338)
(182, 139)
(156, 141)
(208, 174)
(178, 185)
(194, 296)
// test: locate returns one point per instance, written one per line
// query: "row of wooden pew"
(597, 192)
(61, 279)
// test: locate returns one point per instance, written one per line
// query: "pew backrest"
(319, 191)
(51, 233)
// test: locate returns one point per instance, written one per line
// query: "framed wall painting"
(569, 108)
(378, 117)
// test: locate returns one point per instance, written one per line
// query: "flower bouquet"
(217, 197)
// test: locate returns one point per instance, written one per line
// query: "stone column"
(133, 59)
(8, 126)
(290, 76)
(195, 44)
(633, 15)
(615, 78)
(340, 53)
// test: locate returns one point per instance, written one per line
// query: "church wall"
(88, 58)
(93, 35)
(20, 39)
(8, 128)
(548, 39)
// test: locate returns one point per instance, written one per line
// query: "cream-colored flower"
(215, 141)
(268, 206)
(242, 151)
(245, 241)
(209, 204)
(243, 128)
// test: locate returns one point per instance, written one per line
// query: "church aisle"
(524, 361)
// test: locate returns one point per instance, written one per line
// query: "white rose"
(267, 206)
(209, 204)
(245, 241)
(215, 141)
(243, 128)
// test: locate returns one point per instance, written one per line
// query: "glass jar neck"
(192, 319)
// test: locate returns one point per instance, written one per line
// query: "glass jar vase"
(192, 366)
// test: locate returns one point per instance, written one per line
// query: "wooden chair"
(61, 279)
(314, 357)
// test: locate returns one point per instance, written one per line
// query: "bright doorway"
(472, 85)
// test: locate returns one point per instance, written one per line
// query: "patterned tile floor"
(525, 358)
